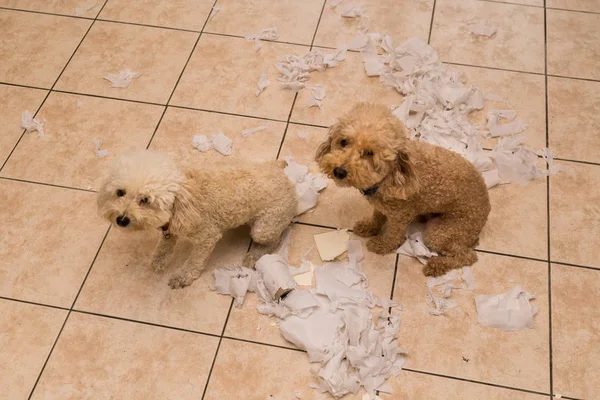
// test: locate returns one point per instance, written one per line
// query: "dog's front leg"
(164, 248)
(203, 245)
(393, 236)
(370, 226)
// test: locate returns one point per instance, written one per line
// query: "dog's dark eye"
(368, 153)
(343, 143)
(144, 200)
(120, 193)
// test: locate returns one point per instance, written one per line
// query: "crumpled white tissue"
(100, 153)
(295, 70)
(235, 281)
(219, 142)
(352, 12)
(265, 34)
(414, 245)
(122, 79)
(509, 311)
(263, 82)
(30, 124)
(308, 185)
(482, 29)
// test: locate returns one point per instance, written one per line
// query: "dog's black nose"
(122, 220)
(340, 172)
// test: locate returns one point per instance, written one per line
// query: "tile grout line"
(549, 256)
(180, 76)
(53, 85)
(6, 178)
(33, 303)
(67, 316)
(457, 378)
(431, 23)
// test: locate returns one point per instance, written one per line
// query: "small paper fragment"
(352, 12)
(79, 11)
(482, 29)
(202, 143)
(332, 244)
(510, 311)
(263, 82)
(219, 142)
(302, 135)
(214, 12)
(265, 34)
(100, 153)
(30, 124)
(248, 132)
(308, 185)
(122, 79)
(513, 127)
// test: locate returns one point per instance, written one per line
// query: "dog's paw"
(436, 267)
(365, 228)
(380, 246)
(179, 281)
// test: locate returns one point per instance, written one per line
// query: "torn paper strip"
(100, 153)
(122, 79)
(263, 82)
(248, 132)
(235, 281)
(308, 185)
(352, 12)
(439, 289)
(265, 34)
(30, 124)
(219, 142)
(331, 244)
(509, 311)
(414, 245)
(214, 12)
(497, 128)
(482, 29)
(312, 102)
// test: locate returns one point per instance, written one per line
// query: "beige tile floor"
(82, 317)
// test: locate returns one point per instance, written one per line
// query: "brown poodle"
(403, 179)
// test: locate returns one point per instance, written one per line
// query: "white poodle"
(148, 190)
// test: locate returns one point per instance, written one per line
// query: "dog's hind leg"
(266, 232)
(453, 239)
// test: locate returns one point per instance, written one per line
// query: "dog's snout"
(122, 220)
(340, 172)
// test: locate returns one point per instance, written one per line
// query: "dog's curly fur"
(410, 179)
(149, 190)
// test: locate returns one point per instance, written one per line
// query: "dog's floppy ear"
(325, 147)
(405, 178)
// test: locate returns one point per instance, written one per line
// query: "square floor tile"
(573, 44)
(98, 357)
(518, 44)
(51, 236)
(217, 79)
(581, 5)
(401, 19)
(345, 85)
(296, 21)
(337, 207)
(438, 344)
(158, 54)
(65, 7)
(574, 119)
(575, 327)
(36, 47)
(181, 14)
(179, 126)
(253, 371)
(65, 156)
(246, 323)
(27, 333)
(412, 385)
(524, 93)
(14, 101)
(517, 223)
(575, 215)
(122, 284)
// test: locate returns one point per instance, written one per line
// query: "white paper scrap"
(202, 143)
(414, 245)
(509, 311)
(79, 11)
(235, 281)
(302, 135)
(482, 29)
(219, 142)
(100, 153)
(352, 12)
(122, 79)
(214, 12)
(265, 34)
(30, 124)
(513, 127)
(308, 185)
(332, 244)
(250, 131)
(263, 82)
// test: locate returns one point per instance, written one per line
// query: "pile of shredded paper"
(333, 322)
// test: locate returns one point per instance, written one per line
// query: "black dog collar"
(370, 191)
